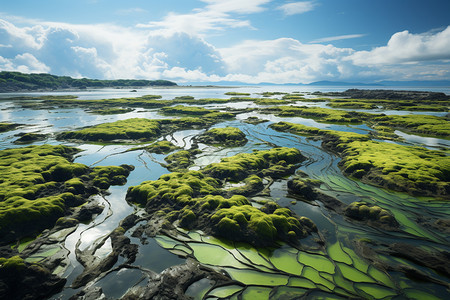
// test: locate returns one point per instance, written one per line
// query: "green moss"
(419, 124)
(8, 126)
(237, 94)
(180, 187)
(318, 113)
(366, 212)
(271, 101)
(415, 170)
(130, 129)
(110, 111)
(411, 169)
(345, 103)
(195, 111)
(238, 167)
(39, 183)
(181, 160)
(228, 136)
(13, 263)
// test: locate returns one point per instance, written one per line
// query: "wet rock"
(21, 280)
(92, 293)
(174, 281)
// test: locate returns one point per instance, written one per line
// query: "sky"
(213, 41)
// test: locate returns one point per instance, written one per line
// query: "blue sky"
(249, 41)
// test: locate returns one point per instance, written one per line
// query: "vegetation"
(136, 129)
(237, 94)
(14, 81)
(409, 169)
(195, 111)
(419, 124)
(276, 162)
(318, 113)
(193, 199)
(160, 147)
(180, 160)
(370, 213)
(110, 111)
(8, 126)
(228, 136)
(38, 184)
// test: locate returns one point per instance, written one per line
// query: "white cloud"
(405, 47)
(295, 8)
(237, 6)
(337, 38)
(110, 51)
(25, 63)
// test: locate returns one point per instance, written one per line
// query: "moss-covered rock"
(110, 111)
(372, 214)
(228, 136)
(254, 120)
(414, 170)
(4, 126)
(161, 147)
(195, 111)
(181, 160)
(28, 138)
(21, 280)
(265, 162)
(38, 185)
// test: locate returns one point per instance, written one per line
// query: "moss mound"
(136, 129)
(228, 136)
(181, 160)
(38, 184)
(21, 280)
(194, 200)
(415, 170)
(373, 214)
(276, 162)
(8, 126)
(195, 111)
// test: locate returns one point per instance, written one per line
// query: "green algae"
(337, 254)
(236, 94)
(380, 277)
(302, 283)
(318, 262)
(250, 277)
(221, 257)
(225, 291)
(160, 147)
(353, 274)
(375, 291)
(253, 255)
(256, 292)
(228, 136)
(286, 262)
(314, 276)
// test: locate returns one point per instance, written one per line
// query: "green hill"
(16, 81)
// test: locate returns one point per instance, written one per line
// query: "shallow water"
(338, 272)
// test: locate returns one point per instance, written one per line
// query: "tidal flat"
(225, 194)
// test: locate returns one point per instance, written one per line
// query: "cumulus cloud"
(295, 8)
(406, 47)
(109, 51)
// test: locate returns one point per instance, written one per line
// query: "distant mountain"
(341, 83)
(420, 83)
(16, 81)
